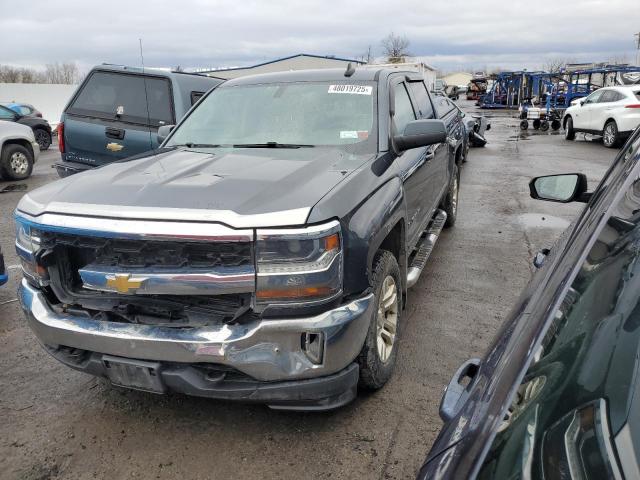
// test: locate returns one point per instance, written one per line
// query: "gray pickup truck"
(262, 254)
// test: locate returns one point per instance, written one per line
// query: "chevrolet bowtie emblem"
(122, 282)
(114, 147)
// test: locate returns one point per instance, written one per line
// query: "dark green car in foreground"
(557, 395)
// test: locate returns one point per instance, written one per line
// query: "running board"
(425, 247)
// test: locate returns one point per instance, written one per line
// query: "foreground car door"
(557, 389)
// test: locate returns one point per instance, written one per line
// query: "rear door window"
(443, 106)
(117, 96)
(608, 96)
(421, 97)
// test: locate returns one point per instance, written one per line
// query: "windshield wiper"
(272, 145)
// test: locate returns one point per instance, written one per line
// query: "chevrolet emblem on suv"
(114, 147)
(122, 282)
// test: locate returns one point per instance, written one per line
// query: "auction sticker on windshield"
(352, 89)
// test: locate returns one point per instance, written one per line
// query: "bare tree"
(9, 74)
(395, 47)
(65, 73)
(554, 65)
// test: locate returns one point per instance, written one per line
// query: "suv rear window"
(105, 93)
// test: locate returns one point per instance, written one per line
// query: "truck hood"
(242, 187)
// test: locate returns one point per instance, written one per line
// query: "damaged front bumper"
(275, 355)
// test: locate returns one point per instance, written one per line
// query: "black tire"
(16, 162)
(43, 138)
(610, 134)
(450, 203)
(374, 371)
(569, 132)
(536, 124)
(555, 125)
(544, 125)
(524, 125)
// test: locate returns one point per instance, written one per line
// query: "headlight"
(27, 244)
(299, 265)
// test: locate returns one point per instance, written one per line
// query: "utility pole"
(638, 48)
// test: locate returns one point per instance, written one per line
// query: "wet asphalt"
(57, 423)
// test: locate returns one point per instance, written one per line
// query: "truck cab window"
(423, 102)
(403, 110)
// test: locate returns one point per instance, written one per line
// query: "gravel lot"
(58, 423)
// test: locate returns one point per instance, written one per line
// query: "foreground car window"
(577, 410)
(302, 113)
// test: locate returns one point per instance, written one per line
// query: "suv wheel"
(610, 135)
(16, 162)
(43, 138)
(450, 204)
(569, 132)
(377, 358)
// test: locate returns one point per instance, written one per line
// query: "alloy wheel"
(43, 139)
(19, 163)
(454, 195)
(609, 136)
(387, 319)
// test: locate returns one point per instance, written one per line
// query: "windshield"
(300, 114)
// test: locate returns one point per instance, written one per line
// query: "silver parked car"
(18, 151)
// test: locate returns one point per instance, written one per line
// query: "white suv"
(613, 112)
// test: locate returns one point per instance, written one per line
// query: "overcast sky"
(450, 34)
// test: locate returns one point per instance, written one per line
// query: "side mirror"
(421, 133)
(581, 102)
(163, 132)
(565, 188)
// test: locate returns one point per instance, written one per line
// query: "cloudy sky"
(450, 34)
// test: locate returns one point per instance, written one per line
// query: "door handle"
(117, 133)
(456, 393)
(541, 256)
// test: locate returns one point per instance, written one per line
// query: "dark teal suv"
(117, 110)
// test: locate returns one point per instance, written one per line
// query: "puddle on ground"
(537, 220)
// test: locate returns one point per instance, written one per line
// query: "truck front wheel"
(378, 356)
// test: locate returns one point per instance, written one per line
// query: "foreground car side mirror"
(163, 132)
(421, 133)
(565, 188)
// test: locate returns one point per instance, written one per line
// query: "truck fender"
(368, 227)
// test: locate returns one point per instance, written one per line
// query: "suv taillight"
(61, 137)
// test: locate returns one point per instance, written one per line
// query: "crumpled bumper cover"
(265, 350)
(313, 394)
